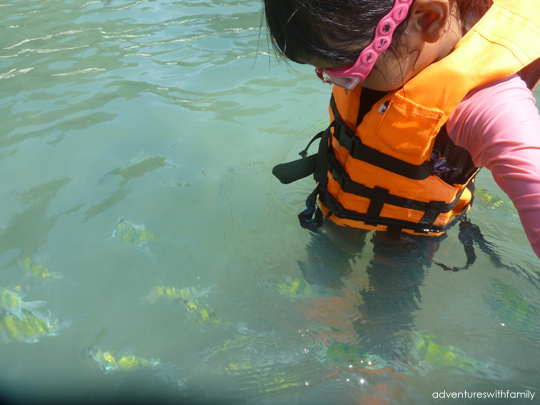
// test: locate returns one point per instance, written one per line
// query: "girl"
(425, 92)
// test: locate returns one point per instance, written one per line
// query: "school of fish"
(249, 355)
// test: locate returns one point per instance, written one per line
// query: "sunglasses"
(349, 76)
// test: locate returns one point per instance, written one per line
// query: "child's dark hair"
(302, 29)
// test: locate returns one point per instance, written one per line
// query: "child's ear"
(429, 19)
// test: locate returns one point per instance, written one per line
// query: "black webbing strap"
(289, 172)
(312, 217)
(470, 234)
(346, 138)
(380, 195)
(303, 153)
(393, 224)
(432, 209)
(334, 108)
(358, 150)
(321, 170)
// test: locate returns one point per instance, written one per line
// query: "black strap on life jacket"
(295, 170)
(380, 196)
(347, 139)
(312, 217)
(372, 216)
(290, 172)
(469, 235)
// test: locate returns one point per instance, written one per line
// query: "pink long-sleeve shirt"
(499, 125)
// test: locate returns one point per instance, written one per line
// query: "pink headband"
(349, 76)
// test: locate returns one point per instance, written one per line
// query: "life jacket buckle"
(311, 218)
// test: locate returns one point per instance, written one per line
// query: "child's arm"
(499, 125)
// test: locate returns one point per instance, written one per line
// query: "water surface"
(171, 115)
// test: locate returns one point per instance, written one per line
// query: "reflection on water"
(149, 255)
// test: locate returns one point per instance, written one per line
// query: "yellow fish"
(351, 356)
(12, 302)
(29, 329)
(490, 201)
(133, 235)
(114, 361)
(294, 288)
(111, 361)
(253, 359)
(37, 270)
(198, 311)
(264, 379)
(177, 294)
(425, 349)
(189, 296)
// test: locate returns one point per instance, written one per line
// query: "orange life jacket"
(373, 166)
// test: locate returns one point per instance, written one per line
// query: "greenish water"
(171, 115)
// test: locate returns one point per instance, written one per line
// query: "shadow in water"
(391, 292)
(377, 303)
(28, 229)
(395, 274)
